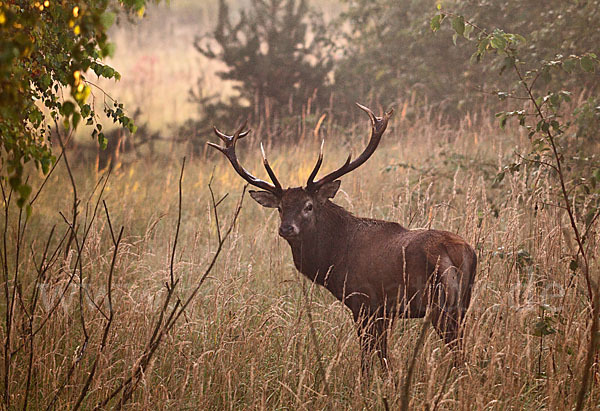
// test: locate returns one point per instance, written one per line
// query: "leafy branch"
(48, 47)
(548, 134)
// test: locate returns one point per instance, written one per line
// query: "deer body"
(374, 264)
(378, 269)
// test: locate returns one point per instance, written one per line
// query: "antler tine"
(369, 112)
(313, 173)
(228, 139)
(238, 133)
(378, 126)
(220, 134)
(218, 147)
(269, 169)
(229, 152)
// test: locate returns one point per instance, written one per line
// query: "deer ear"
(329, 190)
(265, 199)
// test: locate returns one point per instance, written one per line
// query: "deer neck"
(316, 255)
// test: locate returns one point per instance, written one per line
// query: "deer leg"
(365, 340)
(445, 322)
(448, 323)
(372, 332)
(445, 306)
(381, 327)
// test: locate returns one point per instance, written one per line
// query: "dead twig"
(167, 318)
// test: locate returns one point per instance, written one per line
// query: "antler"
(229, 151)
(378, 126)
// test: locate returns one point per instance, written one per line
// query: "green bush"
(279, 55)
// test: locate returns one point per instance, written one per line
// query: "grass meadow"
(258, 335)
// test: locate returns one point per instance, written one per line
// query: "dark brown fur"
(379, 269)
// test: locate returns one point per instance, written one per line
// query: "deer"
(379, 269)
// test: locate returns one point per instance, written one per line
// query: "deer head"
(299, 206)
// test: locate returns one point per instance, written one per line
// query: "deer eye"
(308, 207)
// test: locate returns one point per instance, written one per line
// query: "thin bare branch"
(163, 326)
(178, 226)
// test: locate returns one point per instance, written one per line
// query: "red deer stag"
(378, 269)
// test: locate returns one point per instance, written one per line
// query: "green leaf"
(76, 119)
(498, 41)
(67, 108)
(45, 162)
(45, 80)
(14, 182)
(102, 141)
(36, 117)
(458, 24)
(436, 22)
(503, 122)
(468, 31)
(573, 265)
(545, 126)
(568, 65)
(587, 63)
(107, 19)
(97, 68)
(483, 43)
(108, 50)
(85, 110)
(24, 191)
(108, 72)
(454, 38)
(519, 39)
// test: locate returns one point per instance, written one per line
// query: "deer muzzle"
(288, 230)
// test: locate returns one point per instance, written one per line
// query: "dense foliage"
(544, 108)
(391, 52)
(279, 53)
(46, 49)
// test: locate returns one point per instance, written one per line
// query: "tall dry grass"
(245, 341)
